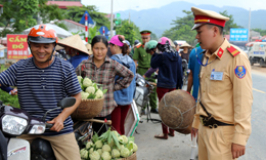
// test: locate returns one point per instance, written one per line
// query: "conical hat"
(74, 42)
(185, 45)
(58, 47)
(88, 46)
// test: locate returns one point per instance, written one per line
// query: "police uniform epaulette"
(234, 52)
(139, 45)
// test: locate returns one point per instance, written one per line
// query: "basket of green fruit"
(110, 146)
(92, 100)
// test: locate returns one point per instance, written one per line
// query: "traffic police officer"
(143, 62)
(223, 114)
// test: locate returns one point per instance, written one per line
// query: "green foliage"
(5, 97)
(9, 100)
(23, 14)
(261, 31)
(75, 13)
(51, 12)
(154, 37)
(2, 68)
(129, 30)
(181, 29)
(229, 24)
(62, 25)
(92, 33)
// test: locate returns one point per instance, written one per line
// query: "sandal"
(161, 136)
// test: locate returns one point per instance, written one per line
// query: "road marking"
(258, 90)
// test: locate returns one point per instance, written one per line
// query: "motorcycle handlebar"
(49, 125)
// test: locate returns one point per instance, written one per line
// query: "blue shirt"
(125, 96)
(40, 89)
(194, 66)
(77, 59)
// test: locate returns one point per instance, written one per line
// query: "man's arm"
(156, 60)
(242, 103)
(9, 77)
(136, 63)
(190, 82)
(73, 89)
(59, 120)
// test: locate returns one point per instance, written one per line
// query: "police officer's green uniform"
(144, 63)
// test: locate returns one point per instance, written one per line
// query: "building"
(65, 4)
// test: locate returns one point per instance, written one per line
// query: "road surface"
(178, 147)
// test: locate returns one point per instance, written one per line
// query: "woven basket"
(132, 157)
(88, 109)
(177, 109)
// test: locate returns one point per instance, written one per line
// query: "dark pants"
(119, 115)
(100, 128)
(160, 93)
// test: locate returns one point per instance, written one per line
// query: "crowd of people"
(218, 71)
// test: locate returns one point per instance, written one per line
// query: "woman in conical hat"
(185, 53)
(76, 48)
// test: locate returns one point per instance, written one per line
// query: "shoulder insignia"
(220, 53)
(240, 72)
(139, 45)
(234, 52)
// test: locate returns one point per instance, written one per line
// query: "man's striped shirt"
(40, 89)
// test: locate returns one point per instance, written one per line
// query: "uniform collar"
(220, 51)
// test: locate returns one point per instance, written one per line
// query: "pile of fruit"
(109, 146)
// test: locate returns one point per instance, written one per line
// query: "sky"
(121, 5)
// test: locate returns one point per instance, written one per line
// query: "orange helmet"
(42, 34)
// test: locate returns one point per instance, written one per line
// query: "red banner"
(17, 46)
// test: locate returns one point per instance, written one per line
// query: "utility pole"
(249, 21)
(129, 18)
(112, 20)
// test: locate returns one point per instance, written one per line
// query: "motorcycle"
(186, 71)
(143, 90)
(15, 122)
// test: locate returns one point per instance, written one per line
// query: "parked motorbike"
(15, 122)
(143, 90)
(186, 71)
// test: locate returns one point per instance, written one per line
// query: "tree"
(230, 23)
(19, 14)
(75, 13)
(51, 12)
(129, 30)
(261, 31)
(154, 37)
(22, 14)
(181, 29)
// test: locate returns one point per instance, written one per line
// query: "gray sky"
(119, 5)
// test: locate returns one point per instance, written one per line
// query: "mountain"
(159, 19)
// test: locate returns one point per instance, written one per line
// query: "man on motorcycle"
(43, 81)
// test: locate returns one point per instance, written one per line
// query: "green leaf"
(109, 137)
(105, 91)
(95, 137)
(115, 140)
(130, 147)
(91, 96)
(131, 138)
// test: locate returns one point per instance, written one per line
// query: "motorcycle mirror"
(67, 102)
